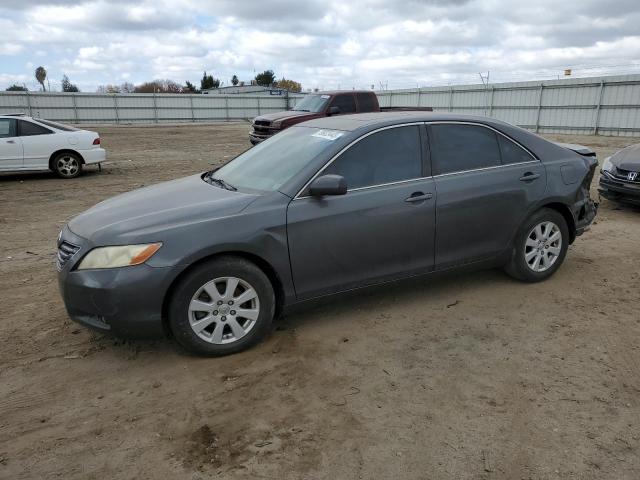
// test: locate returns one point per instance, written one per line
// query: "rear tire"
(540, 247)
(221, 307)
(67, 165)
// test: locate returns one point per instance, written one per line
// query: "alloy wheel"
(224, 310)
(543, 246)
(67, 165)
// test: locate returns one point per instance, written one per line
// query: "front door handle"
(418, 197)
(11, 141)
(529, 177)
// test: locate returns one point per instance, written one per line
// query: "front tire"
(67, 165)
(540, 247)
(221, 307)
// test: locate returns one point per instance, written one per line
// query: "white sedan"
(32, 144)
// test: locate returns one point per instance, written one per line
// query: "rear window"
(59, 126)
(457, 147)
(366, 102)
(28, 129)
(345, 102)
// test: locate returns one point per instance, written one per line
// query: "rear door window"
(345, 102)
(366, 102)
(28, 129)
(388, 156)
(511, 152)
(7, 128)
(460, 147)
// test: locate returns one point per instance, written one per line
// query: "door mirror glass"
(334, 110)
(328, 185)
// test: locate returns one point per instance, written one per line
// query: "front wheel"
(221, 307)
(67, 165)
(540, 247)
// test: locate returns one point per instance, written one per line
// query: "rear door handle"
(11, 141)
(418, 197)
(529, 177)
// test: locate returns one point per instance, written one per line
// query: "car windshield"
(59, 126)
(270, 164)
(312, 103)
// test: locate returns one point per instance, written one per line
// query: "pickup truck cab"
(318, 105)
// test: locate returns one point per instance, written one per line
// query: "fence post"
(598, 107)
(226, 107)
(391, 98)
(29, 103)
(258, 106)
(539, 107)
(155, 108)
(493, 90)
(451, 99)
(419, 92)
(286, 99)
(115, 108)
(75, 108)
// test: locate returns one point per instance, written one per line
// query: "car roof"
(358, 121)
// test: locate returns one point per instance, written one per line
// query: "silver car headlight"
(119, 256)
(607, 166)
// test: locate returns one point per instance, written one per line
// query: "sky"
(323, 44)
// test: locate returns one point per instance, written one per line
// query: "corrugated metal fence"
(600, 105)
(591, 106)
(141, 107)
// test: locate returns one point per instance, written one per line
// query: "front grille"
(623, 175)
(66, 250)
(264, 123)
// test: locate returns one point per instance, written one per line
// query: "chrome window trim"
(435, 122)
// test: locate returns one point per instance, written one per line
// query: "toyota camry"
(326, 206)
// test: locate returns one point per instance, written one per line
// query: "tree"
(67, 86)
(41, 76)
(266, 78)
(159, 86)
(208, 82)
(189, 88)
(290, 85)
(127, 87)
(234, 80)
(17, 88)
(108, 89)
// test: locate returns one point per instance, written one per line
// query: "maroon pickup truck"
(318, 105)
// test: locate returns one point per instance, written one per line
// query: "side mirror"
(333, 110)
(328, 185)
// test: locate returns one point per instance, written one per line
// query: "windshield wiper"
(219, 182)
(300, 110)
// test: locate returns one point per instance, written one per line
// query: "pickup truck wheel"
(540, 247)
(222, 307)
(67, 165)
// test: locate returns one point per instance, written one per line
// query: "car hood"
(271, 117)
(627, 158)
(141, 215)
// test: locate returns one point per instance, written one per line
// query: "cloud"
(324, 44)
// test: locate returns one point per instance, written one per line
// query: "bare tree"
(41, 76)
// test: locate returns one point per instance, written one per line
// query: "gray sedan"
(327, 206)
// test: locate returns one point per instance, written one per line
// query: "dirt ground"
(465, 376)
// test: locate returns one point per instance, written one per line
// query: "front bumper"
(124, 301)
(618, 190)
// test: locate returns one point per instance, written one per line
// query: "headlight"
(119, 256)
(607, 166)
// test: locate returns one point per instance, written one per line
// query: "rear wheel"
(222, 307)
(67, 165)
(540, 247)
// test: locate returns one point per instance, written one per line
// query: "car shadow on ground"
(90, 171)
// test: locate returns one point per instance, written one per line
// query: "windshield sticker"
(328, 134)
(325, 96)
